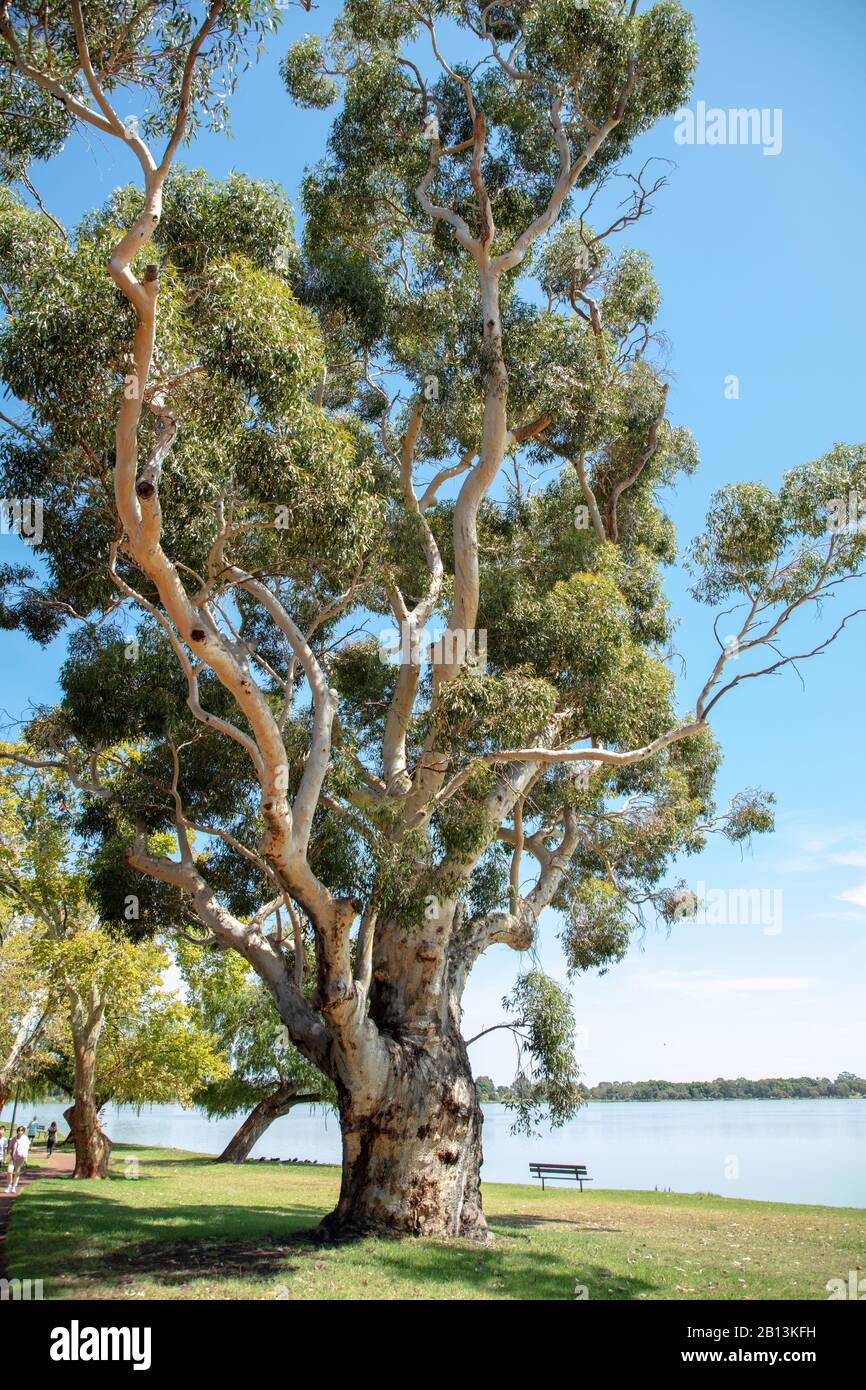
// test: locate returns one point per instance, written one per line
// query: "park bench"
(576, 1172)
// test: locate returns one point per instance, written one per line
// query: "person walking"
(4, 1143)
(51, 1138)
(19, 1153)
(33, 1130)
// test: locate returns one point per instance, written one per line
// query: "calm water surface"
(776, 1150)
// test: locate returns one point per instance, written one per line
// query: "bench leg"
(542, 1184)
(581, 1184)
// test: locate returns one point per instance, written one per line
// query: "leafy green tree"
(769, 1088)
(267, 1072)
(486, 1089)
(267, 453)
(125, 1039)
(32, 870)
(542, 1021)
(27, 1008)
(129, 1041)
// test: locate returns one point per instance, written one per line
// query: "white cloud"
(817, 849)
(704, 984)
(855, 895)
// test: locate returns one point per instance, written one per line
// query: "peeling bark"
(412, 1148)
(413, 1167)
(92, 1145)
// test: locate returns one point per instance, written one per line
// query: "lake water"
(776, 1150)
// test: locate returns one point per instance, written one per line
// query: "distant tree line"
(846, 1086)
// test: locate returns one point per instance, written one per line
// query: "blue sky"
(759, 259)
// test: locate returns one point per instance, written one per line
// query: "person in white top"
(18, 1153)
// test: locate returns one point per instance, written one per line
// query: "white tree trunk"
(412, 1146)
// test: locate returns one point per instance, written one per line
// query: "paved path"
(62, 1161)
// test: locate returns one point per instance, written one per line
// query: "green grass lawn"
(181, 1227)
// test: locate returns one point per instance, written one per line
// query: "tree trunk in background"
(92, 1146)
(280, 1102)
(28, 1031)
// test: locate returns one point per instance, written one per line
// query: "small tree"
(255, 494)
(30, 853)
(27, 1007)
(125, 1038)
(130, 1042)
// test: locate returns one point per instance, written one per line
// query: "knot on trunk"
(522, 929)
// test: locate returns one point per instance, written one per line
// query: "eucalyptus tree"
(129, 1041)
(28, 1007)
(446, 414)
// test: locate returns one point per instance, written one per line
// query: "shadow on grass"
(507, 1273)
(528, 1221)
(169, 1245)
(96, 1215)
(174, 1262)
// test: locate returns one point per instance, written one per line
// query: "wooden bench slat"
(561, 1167)
(576, 1171)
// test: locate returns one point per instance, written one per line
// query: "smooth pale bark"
(28, 1034)
(259, 1120)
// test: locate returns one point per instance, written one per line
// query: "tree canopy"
(441, 414)
(86, 1008)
